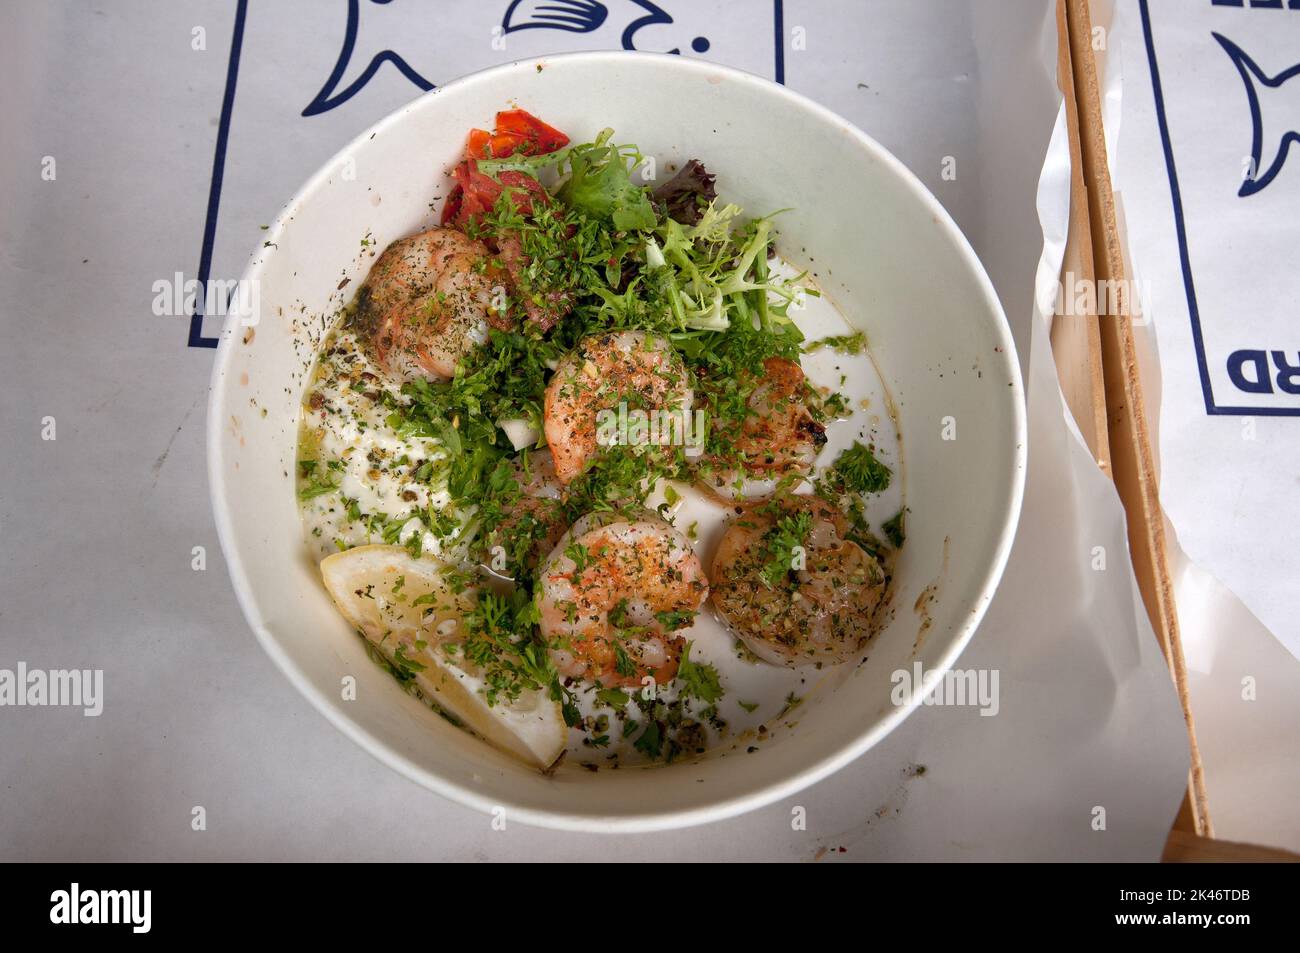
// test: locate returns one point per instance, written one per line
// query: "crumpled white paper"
(1229, 480)
(1086, 757)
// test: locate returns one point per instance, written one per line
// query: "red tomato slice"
(480, 191)
(476, 193)
(478, 143)
(520, 122)
(451, 208)
(518, 132)
(487, 145)
(525, 190)
(507, 144)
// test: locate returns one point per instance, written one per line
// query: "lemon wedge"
(408, 610)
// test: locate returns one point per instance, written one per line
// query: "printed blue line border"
(196, 336)
(1180, 228)
(778, 36)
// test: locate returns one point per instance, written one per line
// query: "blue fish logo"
(331, 95)
(570, 16)
(587, 16)
(1260, 88)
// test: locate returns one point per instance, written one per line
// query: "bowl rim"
(647, 820)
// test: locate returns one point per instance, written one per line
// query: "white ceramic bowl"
(886, 251)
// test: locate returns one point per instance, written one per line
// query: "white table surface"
(98, 525)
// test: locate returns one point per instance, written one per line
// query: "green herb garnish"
(854, 343)
(780, 545)
(698, 679)
(893, 530)
(858, 469)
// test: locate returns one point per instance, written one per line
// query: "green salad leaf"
(600, 184)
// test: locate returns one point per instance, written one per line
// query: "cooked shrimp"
(777, 438)
(797, 606)
(429, 300)
(613, 593)
(535, 474)
(532, 524)
(543, 304)
(476, 193)
(605, 370)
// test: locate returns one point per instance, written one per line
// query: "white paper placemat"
(130, 101)
(1208, 226)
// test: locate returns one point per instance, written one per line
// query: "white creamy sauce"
(377, 464)
(376, 474)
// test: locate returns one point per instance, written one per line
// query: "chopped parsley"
(698, 679)
(857, 469)
(578, 553)
(650, 742)
(854, 343)
(672, 621)
(315, 481)
(623, 663)
(893, 530)
(408, 667)
(780, 545)
(614, 697)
